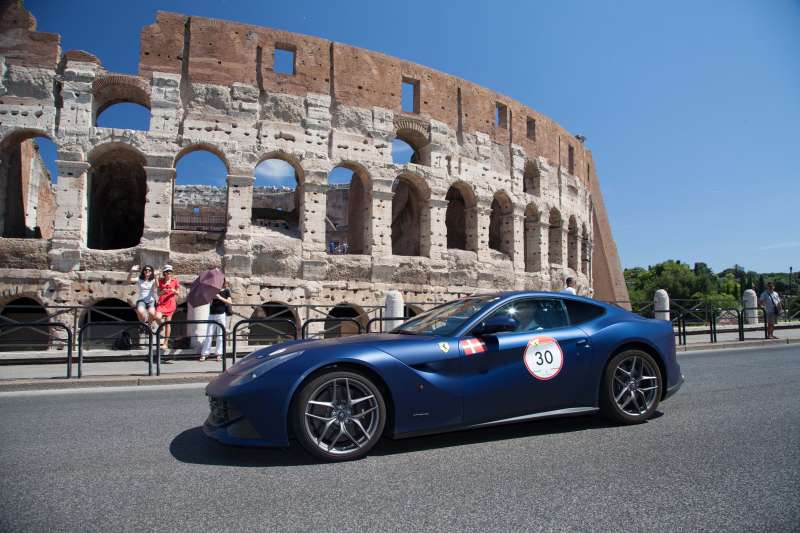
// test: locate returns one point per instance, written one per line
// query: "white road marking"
(91, 390)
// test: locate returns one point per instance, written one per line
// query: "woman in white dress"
(146, 300)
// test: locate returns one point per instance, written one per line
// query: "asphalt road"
(724, 455)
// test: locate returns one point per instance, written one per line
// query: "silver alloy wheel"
(341, 415)
(635, 385)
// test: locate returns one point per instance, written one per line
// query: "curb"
(9, 385)
(732, 345)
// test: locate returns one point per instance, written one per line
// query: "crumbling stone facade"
(497, 196)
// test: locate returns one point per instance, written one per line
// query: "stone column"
(484, 214)
(237, 236)
(158, 208)
(535, 245)
(381, 224)
(518, 222)
(69, 233)
(438, 228)
(312, 211)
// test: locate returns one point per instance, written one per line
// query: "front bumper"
(227, 425)
(672, 390)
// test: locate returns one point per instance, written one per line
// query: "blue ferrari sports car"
(473, 362)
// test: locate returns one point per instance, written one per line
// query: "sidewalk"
(134, 373)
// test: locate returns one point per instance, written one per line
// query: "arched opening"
(410, 146)
(410, 217)
(273, 332)
(125, 116)
(531, 178)
(348, 210)
(23, 311)
(572, 244)
(200, 196)
(411, 310)
(554, 238)
(27, 197)
(461, 217)
(117, 191)
(121, 101)
(276, 196)
(108, 313)
(501, 225)
(344, 328)
(585, 250)
(533, 239)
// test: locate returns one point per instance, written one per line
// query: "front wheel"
(631, 388)
(339, 415)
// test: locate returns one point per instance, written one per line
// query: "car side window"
(537, 314)
(580, 312)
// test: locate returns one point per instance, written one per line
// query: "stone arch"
(531, 178)
(27, 198)
(278, 205)
(585, 250)
(572, 244)
(533, 235)
(554, 238)
(24, 310)
(200, 203)
(109, 312)
(348, 211)
(461, 217)
(501, 224)
(410, 216)
(412, 310)
(416, 134)
(115, 89)
(117, 189)
(272, 333)
(336, 328)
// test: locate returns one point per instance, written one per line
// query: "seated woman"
(146, 300)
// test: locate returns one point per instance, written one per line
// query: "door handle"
(584, 343)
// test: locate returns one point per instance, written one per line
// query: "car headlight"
(269, 361)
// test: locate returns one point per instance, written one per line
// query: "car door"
(538, 367)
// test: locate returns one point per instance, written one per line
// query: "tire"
(632, 387)
(339, 415)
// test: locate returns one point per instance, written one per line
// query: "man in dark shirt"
(217, 315)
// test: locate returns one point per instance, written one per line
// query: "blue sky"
(691, 108)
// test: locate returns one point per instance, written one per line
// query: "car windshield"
(447, 318)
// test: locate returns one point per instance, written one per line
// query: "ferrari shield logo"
(445, 347)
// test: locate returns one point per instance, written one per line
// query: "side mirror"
(496, 324)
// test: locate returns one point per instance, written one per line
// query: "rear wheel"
(339, 415)
(632, 387)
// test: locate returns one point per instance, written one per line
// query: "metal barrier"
(304, 330)
(763, 317)
(249, 321)
(138, 325)
(383, 319)
(48, 325)
(724, 312)
(188, 322)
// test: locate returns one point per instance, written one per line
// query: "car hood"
(399, 346)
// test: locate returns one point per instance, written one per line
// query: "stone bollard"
(661, 305)
(197, 332)
(393, 307)
(750, 304)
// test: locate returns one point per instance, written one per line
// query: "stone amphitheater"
(496, 195)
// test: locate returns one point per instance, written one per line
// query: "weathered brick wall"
(212, 85)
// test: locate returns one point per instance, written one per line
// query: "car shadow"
(194, 447)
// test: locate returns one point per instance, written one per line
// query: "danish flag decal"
(472, 346)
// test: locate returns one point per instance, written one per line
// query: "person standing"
(167, 301)
(146, 299)
(217, 314)
(570, 288)
(771, 302)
